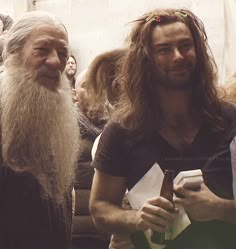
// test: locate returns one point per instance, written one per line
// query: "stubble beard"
(168, 82)
(70, 73)
(176, 86)
(39, 130)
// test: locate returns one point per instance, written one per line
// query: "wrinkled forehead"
(49, 33)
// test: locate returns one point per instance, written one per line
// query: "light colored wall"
(98, 25)
(229, 61)
(6, 7)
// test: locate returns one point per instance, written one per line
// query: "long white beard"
(39, 130)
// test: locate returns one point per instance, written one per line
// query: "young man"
(39, 136)
(170, 114)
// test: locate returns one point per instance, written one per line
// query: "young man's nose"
(177, 54)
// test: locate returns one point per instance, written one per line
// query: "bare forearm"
(227, 210)
(113, 219)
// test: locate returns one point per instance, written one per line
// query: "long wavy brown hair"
(100, 80)
(101, 89)
(136, 109)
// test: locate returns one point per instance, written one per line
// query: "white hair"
(23, 27)
(39, 129)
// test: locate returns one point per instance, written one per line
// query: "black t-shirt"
(28, 221)
(120, 153)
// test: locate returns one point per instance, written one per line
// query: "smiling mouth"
(180, 71)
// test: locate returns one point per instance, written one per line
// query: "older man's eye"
(62, 54)
(42, 50)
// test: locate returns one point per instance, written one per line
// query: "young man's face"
(45, 54)
(70, 69)
(174, 54)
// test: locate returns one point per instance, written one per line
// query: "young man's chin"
(177, 85)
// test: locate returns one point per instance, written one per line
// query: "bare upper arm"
(107, 188)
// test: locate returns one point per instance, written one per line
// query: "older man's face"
(45, 54)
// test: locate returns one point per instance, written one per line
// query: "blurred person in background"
(70, 71)
(6, 23)
(96, 94)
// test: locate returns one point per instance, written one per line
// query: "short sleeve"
(111, 155)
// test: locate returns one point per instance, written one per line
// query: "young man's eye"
(186, 46)
(163, 50)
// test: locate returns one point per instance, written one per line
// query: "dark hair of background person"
(137, 107)
(73, 81)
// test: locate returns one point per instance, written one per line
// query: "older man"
(39, 136)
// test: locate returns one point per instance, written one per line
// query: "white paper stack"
(189, 179)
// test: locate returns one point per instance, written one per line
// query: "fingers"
(161, 202)
(156, 222)
(156, 217)
(186, 192)
(186, 196)
(183, 195)
(147, 224)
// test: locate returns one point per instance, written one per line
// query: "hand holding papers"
(148, 187)
(191, 179)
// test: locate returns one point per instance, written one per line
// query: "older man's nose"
(53, 59)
